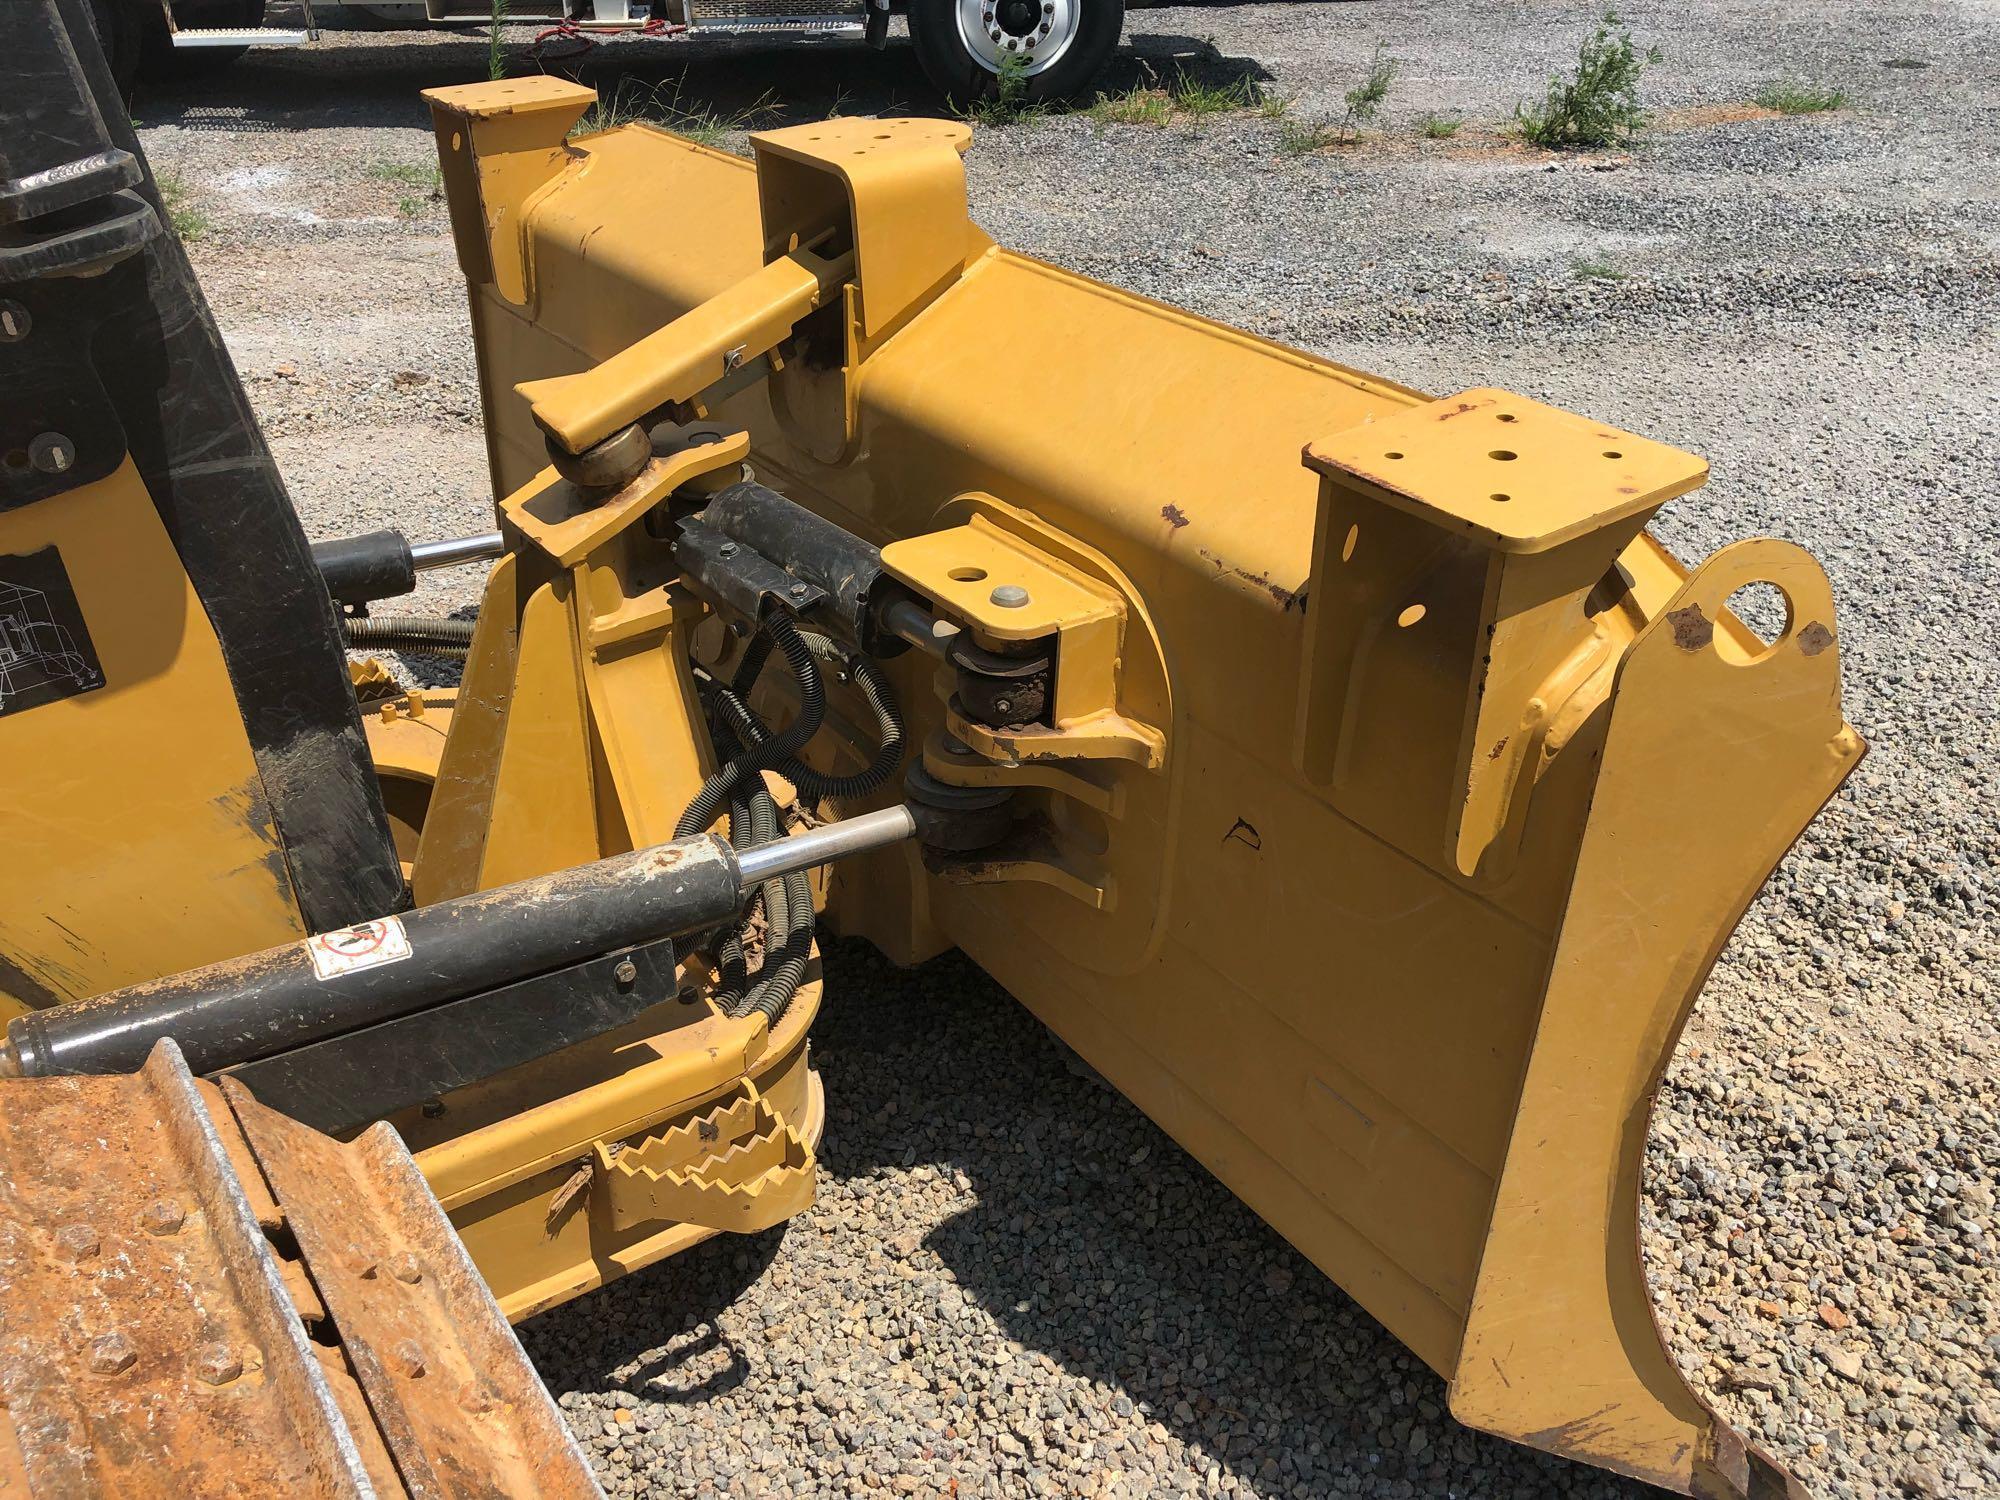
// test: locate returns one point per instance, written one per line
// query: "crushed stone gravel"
(1012, 1282)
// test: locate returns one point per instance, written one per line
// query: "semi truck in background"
(1044, 49)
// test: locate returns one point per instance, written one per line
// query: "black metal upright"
(107, 347)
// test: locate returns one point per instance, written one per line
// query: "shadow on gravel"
(1100, 1243)
(365, 82)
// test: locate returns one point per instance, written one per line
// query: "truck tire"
(1063, 44)
(121, 34)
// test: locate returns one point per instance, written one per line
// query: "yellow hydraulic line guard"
(1391, 805)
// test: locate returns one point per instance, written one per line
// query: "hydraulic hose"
(409, 633)
(875, 689)
(750, 747)
(763, 750)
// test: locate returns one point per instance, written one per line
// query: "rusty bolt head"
(434, 1109)
(111, 1353)
(408, 1357)
(78, 1241)
(627, 973)
(406, 1267)
(359, 1261)
(162, 1216)
(475, 1398)
(217, 1364)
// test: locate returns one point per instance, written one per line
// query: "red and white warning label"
(365, 945)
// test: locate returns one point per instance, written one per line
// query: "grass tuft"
(1136, 106)
(188, 221)
(405, 174)
(1800, 98)
(1193, 99)
(1304, 137)
(1598, 270)
(1599, 105)
(660, 104)
(1436, 127)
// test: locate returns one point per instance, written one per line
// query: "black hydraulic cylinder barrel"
(811, 547)
(362, 569)
(336, 982)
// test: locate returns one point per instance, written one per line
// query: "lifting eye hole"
(966, 575)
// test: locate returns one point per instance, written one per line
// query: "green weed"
(1599, 105)
(1436, 127)
(1800, 98)
(660, 104)
(188, 221)
(1304, 137)
(1364, 100)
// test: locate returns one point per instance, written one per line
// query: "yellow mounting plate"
(961, 567)
(1515, 474)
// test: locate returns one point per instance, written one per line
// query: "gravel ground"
(1012, 1282)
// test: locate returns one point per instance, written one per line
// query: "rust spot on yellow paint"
(1174, 516)
(1693, 630)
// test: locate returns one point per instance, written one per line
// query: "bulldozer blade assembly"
(1347, 774)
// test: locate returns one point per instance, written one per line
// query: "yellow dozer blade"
(1388, 790)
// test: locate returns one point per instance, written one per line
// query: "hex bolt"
(78, 1241)
(360, 1262)
(111, 1353)
(406, 1267)
(1003, 705)
(14, 322)
(728, 549)
(434, 1109)
(627, 973)
(409, 1358)
(217, 1364)
(52, 453)
(162, 1216)
(1009, 596)
(473, 1397)
(798, 591)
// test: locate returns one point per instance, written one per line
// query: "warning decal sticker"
(365, 945)
(45, 651)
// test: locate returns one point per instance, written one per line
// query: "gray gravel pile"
(1012, 1281)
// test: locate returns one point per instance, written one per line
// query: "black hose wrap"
(408, 633)
(890, 733)
(749, 748)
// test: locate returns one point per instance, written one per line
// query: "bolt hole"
(1392, 455)
(1504, 455)
(1765, 610)
(1347, 547)
(1410, 616)
(17, 458)
(1508, 416)
(457, 140)
(1497, 496)
(966, 575)
(1612, 453)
